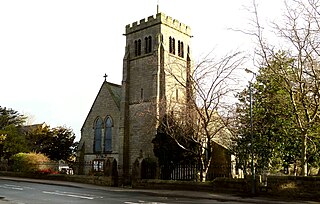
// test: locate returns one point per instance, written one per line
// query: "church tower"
(157, 53)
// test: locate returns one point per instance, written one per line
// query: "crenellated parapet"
(160, 18)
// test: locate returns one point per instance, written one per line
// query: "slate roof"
(115, 92)
(28, 128)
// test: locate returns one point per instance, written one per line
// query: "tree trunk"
(204, 176)
(304, 164)
(201, 169)
(245, 169)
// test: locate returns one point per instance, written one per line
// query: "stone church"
(121, 124)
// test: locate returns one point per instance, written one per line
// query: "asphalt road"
(34, 193)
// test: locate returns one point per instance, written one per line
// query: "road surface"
(34, 193)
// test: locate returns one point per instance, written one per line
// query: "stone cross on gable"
(105, 77)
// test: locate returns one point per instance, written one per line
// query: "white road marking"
(15, 186)
(26, 187)
(68, 195)
(81, 194)
(12, 188)
(11, 185)
(141, 201)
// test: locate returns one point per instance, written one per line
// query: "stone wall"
(222, 185)
(293, 186)
(278, 186)
(96, 180)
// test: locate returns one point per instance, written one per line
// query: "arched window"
(108, 135)
(180, 49)
(148, 43)
(137, 48)
(97, 135)
(173, 46)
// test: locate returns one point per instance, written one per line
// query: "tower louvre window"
(172, 45)
(148, 43)
(137, 47)
(180, 49)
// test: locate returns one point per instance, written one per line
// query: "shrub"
(29, 162)
(46, 172)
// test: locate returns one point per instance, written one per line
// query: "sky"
(54, 54)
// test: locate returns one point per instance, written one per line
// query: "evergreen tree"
(275, 142)
(9, 116)
(56, 143)
(11, 136)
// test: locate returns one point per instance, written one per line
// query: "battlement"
(160, 18)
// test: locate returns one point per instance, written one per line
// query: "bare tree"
(204, 111)
(299, 34)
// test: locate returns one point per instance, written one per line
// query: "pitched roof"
(28, 128)
(115, 92)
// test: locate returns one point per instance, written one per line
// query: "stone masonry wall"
(145, 84)
(103, 106)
